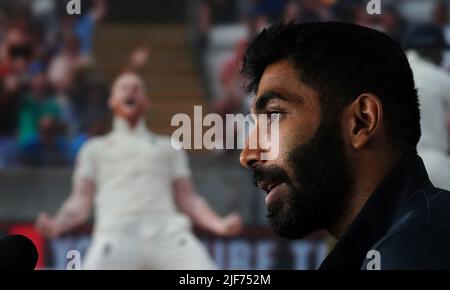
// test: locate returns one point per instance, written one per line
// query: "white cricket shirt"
(133, 170)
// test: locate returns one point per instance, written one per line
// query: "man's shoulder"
(421, 237)
(160, 139)
(418, 247)
(163, 142)
(95, 143)
(439, 208)
(429, 206)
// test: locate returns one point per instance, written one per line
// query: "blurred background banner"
(257, 248)
(56, 72)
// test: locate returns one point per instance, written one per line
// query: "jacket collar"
(383, 208)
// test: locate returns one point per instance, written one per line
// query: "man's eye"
(273, 116)
(268, 117)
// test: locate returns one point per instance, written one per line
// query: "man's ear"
(365, 119)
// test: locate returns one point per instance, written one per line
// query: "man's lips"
(272, 189)
(267, 186)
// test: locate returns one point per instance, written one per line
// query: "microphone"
(17, 252)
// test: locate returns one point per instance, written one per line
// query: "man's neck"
(136, 125)
(133, 122)
(372, 169)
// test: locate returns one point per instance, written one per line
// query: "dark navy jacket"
(406, 219)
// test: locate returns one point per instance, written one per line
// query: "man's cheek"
(277, 141)
(272, 152)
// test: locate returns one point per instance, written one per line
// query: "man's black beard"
(323, 183)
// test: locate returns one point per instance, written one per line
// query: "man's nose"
(249, 158)
(251, 154)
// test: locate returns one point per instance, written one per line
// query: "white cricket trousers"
(129, 250)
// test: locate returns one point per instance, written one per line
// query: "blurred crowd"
(52, 95)
(222, 50)
(252, 16)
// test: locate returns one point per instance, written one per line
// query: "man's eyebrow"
(262, 101)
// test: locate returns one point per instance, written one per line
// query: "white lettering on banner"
(301, 251)
(242, 253)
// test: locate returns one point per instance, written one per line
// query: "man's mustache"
(271, 174)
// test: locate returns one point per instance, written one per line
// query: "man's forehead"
(281, 81)
(281, 74)
(279, 71)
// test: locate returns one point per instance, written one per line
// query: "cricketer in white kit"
(142, 194)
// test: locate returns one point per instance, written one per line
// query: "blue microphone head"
(17, 252)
